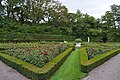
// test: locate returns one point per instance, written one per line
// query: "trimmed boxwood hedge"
(88, 65)
(33, 72)
(29, 37)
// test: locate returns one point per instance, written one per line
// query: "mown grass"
(70, 70)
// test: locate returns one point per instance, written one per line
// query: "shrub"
(8, 36)
(38, 55)
(78, 40)
(95, 49)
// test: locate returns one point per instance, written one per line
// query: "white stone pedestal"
(78, 45)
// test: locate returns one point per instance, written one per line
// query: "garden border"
(88, 65)
(33, 72)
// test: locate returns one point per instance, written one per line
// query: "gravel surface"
(8, 73)
(110, 70)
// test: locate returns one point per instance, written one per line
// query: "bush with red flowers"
(39, 54)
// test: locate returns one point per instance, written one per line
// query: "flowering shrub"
(92, 52)
(38, 55)
(78, 40)
(97, 49)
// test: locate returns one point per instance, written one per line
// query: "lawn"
(70, 70)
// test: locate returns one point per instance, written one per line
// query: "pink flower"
(45, 53)
(41, 52)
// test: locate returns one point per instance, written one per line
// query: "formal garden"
(40, 60)
(42, 40)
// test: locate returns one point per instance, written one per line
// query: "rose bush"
(38, 55)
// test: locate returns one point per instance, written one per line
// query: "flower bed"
(88, 65)
(38, 55)
(96, 49)
(95, 54)
(33, 72)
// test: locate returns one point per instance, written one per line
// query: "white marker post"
(88, 39)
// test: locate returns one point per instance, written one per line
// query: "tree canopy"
(51, 16)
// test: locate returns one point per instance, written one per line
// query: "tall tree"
(116, 11)
(108, 20)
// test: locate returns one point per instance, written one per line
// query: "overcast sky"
(94, 8)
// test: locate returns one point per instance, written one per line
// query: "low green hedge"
(23, 37)
(88, 65)
(33, 72)
(34, 40)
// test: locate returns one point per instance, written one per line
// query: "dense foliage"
(50, 16)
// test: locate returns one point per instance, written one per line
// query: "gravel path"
(7, 73)
(110, 70)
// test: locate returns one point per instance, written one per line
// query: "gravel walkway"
(110, 70)
(7, 73)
